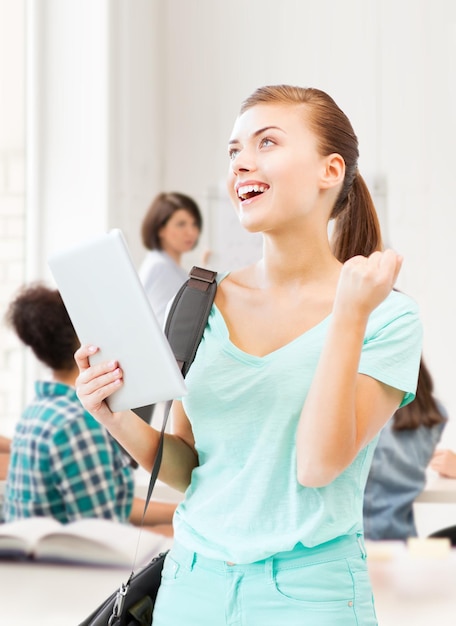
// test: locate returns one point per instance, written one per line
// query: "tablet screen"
(109, 308)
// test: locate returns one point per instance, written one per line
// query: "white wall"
(136, 103)
(390, 65)
(418, 131)
(94, 131)
(128, 98)
(67, 134)
(12, 200)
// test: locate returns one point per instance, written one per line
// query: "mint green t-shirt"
(244, 502)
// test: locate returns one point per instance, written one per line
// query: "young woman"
(171, 227)
(63, 463)
(306, 355)
(398, 471)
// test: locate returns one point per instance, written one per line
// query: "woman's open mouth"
(247, 192)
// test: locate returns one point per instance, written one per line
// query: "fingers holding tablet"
(96, 382)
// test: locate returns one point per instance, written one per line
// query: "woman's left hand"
(366, 281)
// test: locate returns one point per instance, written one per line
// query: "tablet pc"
(109, 308)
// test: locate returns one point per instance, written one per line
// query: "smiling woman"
(273, 443)
(170, 228)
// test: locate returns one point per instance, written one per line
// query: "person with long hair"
(397, 476)
(306, 355)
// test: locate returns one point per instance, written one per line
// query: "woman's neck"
(297, 260)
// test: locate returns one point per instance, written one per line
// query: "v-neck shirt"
(244, 502)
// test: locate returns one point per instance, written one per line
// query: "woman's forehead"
(285, 117)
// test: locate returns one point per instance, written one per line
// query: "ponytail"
(356, 226)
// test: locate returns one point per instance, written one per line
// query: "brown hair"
(356, 228)
(40, 320)
(162, 208)
(424, 409)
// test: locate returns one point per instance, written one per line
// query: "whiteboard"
(231, 245)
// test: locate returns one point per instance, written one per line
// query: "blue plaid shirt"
(64, 464)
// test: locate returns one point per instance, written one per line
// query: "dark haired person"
(170, 228)
(398, 471)
(63, 463)
(306, 354)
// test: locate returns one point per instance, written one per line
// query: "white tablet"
(109, 308)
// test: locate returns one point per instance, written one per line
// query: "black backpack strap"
(185, 324)
(188, 315)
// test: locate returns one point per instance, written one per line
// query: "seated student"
(64, 464)
(398, 472)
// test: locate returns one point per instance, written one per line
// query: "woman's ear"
(333, 171)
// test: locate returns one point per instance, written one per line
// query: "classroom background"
(104, 103)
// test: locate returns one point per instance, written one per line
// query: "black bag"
(133, 603)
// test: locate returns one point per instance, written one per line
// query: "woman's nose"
(243, 162)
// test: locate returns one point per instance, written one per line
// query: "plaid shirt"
(64, 464)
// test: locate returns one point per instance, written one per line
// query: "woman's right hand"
(97, 382)
(366, 281)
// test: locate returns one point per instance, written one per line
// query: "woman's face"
(180, 233)
(275, 169)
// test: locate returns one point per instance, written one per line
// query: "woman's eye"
(233, 152)
(265, 142)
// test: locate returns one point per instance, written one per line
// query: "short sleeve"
(393, 344)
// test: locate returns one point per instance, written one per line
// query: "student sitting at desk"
(64, 464)
(398, 471)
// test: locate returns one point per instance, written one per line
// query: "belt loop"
(186, 558)
(360, 539)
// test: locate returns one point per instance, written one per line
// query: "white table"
(438, 489)
(435, 507)
(412, 589)
(53, 595)
(408, 590)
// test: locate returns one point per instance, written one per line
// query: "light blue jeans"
(323, 586)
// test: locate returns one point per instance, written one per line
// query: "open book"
(89, 540)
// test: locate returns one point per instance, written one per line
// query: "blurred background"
(104, 103)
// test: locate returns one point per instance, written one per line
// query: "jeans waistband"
(343, 547)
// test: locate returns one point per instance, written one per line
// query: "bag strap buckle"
(118, 604)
